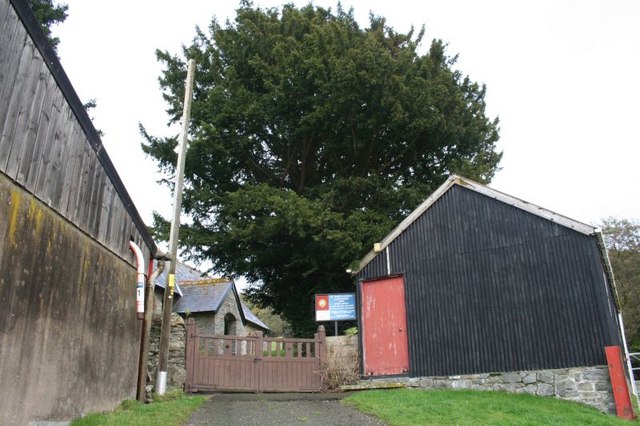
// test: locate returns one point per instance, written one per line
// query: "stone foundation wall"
(587, 385)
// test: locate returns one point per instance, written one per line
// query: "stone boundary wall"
(342, 346)
(342, 356)
(341, 365)
(587, 385)
(176, 366)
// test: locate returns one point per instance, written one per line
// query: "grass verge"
(169, 411)
(461, 407)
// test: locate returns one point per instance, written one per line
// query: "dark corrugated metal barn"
(489, 283)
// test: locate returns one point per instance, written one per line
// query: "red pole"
(619, 382)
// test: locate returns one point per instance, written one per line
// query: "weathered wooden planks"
(50, 150)
(12, 37)
(66, 275)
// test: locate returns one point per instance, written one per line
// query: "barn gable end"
(494, 284)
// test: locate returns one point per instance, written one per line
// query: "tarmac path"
(271, 409)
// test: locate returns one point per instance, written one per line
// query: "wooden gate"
(253, 363)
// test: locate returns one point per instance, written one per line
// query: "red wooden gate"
(384, 325)
(253, 363)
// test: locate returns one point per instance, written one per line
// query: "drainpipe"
(139, 302)
(140, 279)
(146, 324)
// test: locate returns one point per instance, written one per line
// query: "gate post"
(191, 349)
(257, 361)
(321, 338)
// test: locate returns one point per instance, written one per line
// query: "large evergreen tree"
(310, 139)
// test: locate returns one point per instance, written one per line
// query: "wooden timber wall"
(69, 337)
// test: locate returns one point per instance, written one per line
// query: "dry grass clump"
(338, 371)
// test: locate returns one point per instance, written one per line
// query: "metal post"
(161, 384)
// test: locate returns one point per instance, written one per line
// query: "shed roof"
(489, 192)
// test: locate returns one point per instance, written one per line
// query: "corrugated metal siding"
(490, 287)
(376, 268)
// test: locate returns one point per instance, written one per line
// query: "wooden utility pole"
(165, 331)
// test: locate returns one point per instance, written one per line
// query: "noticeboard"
(335, 307)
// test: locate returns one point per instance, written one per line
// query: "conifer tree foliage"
(622, 237)
(47, 13)
(311, 138)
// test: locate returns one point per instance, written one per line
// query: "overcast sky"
(561, 75)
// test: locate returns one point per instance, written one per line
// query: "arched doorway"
(230, 328)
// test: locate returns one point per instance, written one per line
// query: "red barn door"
(384, 324)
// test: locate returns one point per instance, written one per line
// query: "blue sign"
(336, 307)
(342, 306)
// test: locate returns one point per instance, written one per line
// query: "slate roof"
(252, 318)
(199, 293)
(208, 295)
(204, 295)
(183, 273)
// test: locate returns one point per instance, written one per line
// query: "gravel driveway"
(279, 409)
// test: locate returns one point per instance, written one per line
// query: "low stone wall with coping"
(344, 348)
(341, 364)
(587, 385)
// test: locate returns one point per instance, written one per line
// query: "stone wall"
(229, 306)
(343, 349)
(176, 366)
(207, 322)
(158, 300)
(587, 385)
(251, 330)
(342, 362)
